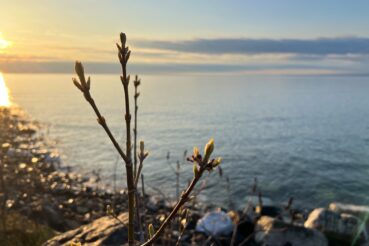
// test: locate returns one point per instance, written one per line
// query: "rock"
(271, 211)
(298, 216)
(103, 231)
(155, 203)
(274, 232)
(82, 210)
(360, 211)
(72, 223)
(339, 228)
(215, 224)
(194, 217)
(254, 200)
(46, 213)
(91, 204)
(245, 229)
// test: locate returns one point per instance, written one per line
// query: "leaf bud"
(196, 152)
(123, 39)
(195, 169)
(142, 147)
(151, 230)
(209, 147)
(81, 73)
(216, 162)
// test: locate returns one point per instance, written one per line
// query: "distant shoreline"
(66, 67)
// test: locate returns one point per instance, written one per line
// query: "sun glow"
(4, 43)
(4, 93)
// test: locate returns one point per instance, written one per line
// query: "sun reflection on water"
(4, 93)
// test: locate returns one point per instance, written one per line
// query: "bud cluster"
(82, 84)
(202, 163)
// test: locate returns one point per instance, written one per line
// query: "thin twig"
(183, 200)
(200, 165)
(119, 220)
(136, 84)
(135, 174)
(123, 54)
(178, 173)
(139, 172)
(143, 203)
(102, 122)
(233, 240)
(182, 230)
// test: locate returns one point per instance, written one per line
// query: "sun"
(4, 93)
(4, 43)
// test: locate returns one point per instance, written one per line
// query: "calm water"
(306, 137)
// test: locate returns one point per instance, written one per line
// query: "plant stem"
(234, 233)
(177, 176)
(135, 134)
(136, 175)
(143, 204)
(126, 157)
(129, 168)
(138, 172)
(102, 122)
(138, 216)
(182, 200)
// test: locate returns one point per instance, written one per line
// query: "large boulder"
(103, 231)
(359, 211)
(339, 228)
(273, 232)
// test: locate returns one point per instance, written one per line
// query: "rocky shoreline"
(33, 185)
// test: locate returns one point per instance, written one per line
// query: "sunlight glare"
(4, 93)
(4, 43)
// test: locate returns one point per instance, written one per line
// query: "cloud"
(207, 56)
(5, 58)
(320, 46)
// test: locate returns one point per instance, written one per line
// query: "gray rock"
(342, 228)
(215, 224)
(103, 231)
(273, 232)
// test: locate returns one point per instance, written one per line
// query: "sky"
(191, 36)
